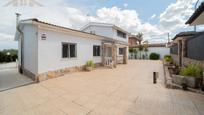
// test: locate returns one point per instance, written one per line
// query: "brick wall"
(132, 41)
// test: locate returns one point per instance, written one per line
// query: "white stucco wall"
(115, 36)
(105, 31)
(160, 50)
(30, 48)
(100, 30)
(50, 50)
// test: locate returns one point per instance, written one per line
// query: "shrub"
(192, 70)
(154, 56)
(168, 58)
(130, 50)
(89, 63)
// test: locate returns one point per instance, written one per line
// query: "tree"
(9, 55)
(140, 36)
(141, 47)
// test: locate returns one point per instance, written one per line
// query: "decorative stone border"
(61, 72)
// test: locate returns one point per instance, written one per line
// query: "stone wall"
(61, 72)
(187, 61)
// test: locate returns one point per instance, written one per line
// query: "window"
(96, 50)
(121, 34)
(121, 51)
(68, 50)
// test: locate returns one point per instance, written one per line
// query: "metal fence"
(195, 47)
(174, 49)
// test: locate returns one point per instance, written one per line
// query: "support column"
(184, 51)
(180, 52)
(114, 55)
(125, 55)
(103, 54)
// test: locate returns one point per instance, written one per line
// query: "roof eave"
(196, 14)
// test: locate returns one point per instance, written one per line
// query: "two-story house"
(47, 50)
(119, 36)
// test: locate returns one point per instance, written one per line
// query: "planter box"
(192, 82)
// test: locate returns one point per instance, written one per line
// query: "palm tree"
(141, 47)
(146, 48)
(140, 37)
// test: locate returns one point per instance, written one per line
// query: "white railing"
(108, 61)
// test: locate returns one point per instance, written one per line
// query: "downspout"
(21, 38)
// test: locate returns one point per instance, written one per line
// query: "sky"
(154, 18)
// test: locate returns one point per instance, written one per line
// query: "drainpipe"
(21, 38)
(195, 10)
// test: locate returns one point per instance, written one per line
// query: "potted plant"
(192, 75)
(167, 59)
(89, 65)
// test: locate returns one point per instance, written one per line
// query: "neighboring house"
(179, 47)
(134, 40)
(47, 50)
(188, 47)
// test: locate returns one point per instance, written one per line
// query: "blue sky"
(144, 8)
(154, 18)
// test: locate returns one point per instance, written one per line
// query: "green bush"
(154, 56)
(168, 58)
(130, 50)
(192, 70)
(89, 63)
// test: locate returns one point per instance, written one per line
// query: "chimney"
(17, 18)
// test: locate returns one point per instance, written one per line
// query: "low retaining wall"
(61, 72)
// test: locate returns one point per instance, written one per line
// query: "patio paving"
(11, 78)
(126, 90)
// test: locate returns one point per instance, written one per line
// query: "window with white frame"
(69, 50)
(96, 50)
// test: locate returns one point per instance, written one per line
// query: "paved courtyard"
(126, 90)
(10, 78)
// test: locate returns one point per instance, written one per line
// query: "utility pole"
(168, 38)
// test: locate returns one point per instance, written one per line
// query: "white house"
(47, 50)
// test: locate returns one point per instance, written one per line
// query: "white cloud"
(153, 16)
(176, 14)
(6, 37)
(171, 20)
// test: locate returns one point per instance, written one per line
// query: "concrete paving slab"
(10, 78)
(126, 90)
